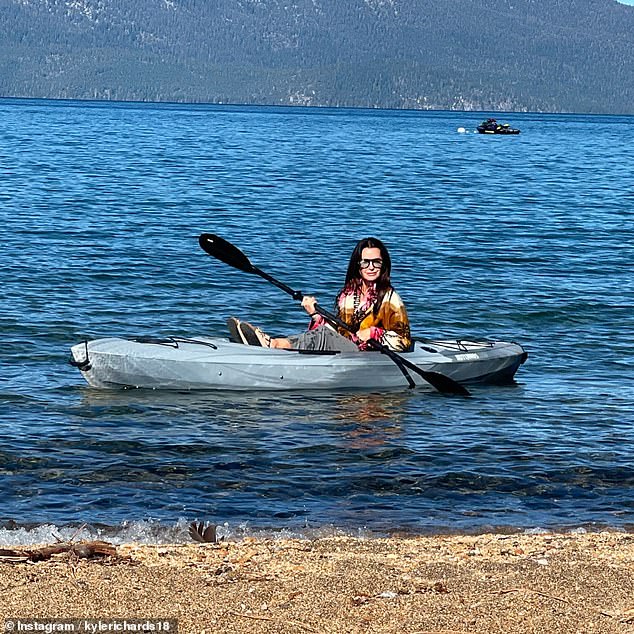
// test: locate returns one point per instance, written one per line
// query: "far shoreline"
(288, 107)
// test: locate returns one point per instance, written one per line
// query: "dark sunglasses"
(376, 263)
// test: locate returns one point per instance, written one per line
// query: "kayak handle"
(84, 365)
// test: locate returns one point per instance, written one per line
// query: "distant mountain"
(535, 55)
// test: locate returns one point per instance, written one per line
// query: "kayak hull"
(176, 363)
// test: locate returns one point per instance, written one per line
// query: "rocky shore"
(489, 584)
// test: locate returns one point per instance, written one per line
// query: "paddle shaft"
(297, 295)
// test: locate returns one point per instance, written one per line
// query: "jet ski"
(491, 126)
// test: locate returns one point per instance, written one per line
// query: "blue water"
(527, 238)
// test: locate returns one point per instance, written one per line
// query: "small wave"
(142, 532)
(153, 532)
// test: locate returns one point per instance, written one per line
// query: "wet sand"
(488, 584)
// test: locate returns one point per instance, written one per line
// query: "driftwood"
(81, 550)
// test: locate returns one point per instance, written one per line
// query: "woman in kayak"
(367, 303)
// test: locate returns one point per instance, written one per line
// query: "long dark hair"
(353, 275)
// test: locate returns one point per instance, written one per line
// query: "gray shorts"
(322, 338)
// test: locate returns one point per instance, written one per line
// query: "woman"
(367, 303)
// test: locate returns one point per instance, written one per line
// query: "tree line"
(536, 55)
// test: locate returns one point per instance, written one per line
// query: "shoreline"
(444, 584)
(160, 533)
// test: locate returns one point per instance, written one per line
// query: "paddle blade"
(444, 384)
(224, 251)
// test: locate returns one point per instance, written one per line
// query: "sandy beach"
(489, 584)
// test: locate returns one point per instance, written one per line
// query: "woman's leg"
(282, 343)
(323, 338)
(254, 336)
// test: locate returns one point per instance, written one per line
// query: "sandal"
(253, 336)
(233, 324)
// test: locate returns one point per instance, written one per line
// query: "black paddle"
(226, 252)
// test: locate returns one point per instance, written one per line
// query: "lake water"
(527, 238)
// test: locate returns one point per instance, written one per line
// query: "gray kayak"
(176, 363)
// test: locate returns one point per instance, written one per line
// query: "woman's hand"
(308, 304)
(364, 334)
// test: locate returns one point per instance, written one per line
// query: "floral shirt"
(390, 326)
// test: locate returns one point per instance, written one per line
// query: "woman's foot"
(253, 336)
(233, 324)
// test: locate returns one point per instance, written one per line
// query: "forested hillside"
(537, 55)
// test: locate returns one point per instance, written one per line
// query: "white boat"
(176, 363)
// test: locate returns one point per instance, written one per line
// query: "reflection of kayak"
(217, 364)
(491, 126)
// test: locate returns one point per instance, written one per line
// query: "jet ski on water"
(491, 126)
